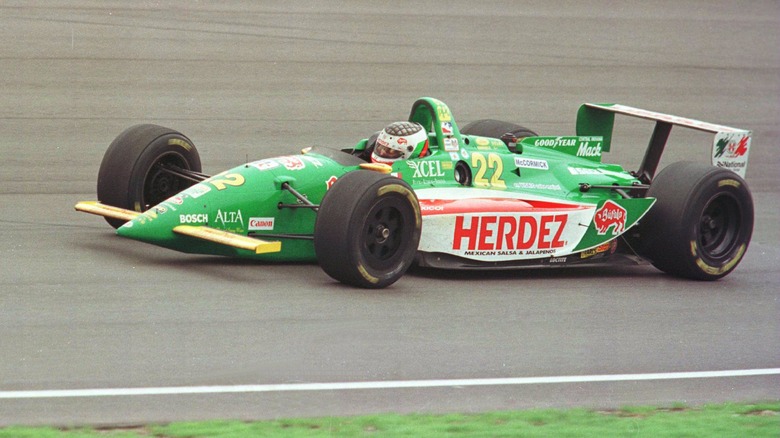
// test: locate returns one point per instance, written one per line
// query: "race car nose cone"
(150, 226)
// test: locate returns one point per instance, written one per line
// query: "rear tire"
(701, 223)
(496, 129)
(367, 229)
(130, 175)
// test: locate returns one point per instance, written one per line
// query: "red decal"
(493, 205)
(504, 235)
(487, 233)
(292, 163)
(527, 227)
(741, 148)
(610, 215)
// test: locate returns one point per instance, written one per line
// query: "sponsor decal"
(725, 146)
(589, 151)
(332, 180)
(292, 163)
(536, 186)
(584, 171)
(500, 229)
(509, 233)
(179, 142)
(558, 259)
(593, 171)
(610, 215)
(454, 156)
(604, 247)
(229, 218)
(446, 128)
(431, 208)
(586, 147)
(729, 182)
(730, 151)
(177, 199)
(198, 190)
(194, 218)
(556, 142)
(530, 163)
(261, 223)
(451, 144)
(487, 144)
(717, 270)
(266, 164)
(426, 169)
(443, 112)
(147, 216)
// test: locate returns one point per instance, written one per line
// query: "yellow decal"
(443, 113)
(484, 163)
(179, 142)
(712, 270)
(486, 144)
(366, 275)
(729, 182)
(403, 191)
(230, 179)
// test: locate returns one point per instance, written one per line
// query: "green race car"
(490, 195)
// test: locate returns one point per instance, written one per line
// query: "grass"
(678, 420)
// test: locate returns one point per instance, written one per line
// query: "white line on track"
(392, 384)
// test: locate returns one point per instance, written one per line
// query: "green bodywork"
(251, 199)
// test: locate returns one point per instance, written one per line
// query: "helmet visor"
(387, 152)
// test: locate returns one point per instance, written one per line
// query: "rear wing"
(729, 149)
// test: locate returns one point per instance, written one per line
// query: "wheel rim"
(383, 233)
(159, 184)
(719, 227)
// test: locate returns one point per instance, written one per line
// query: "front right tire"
(132, 174)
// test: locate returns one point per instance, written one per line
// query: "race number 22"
(489, 170)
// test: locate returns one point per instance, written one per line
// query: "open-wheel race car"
(492, 195)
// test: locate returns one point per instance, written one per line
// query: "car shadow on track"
(571, 273)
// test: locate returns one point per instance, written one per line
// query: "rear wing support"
(729, 149)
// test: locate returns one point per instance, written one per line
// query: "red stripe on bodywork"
(431, 207)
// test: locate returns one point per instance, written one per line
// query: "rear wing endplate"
(729, 149)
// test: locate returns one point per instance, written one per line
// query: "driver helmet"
(400, 141)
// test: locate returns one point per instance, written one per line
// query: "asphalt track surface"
(82, 309)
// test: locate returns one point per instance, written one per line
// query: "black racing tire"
(367, 229)
(496, 129)
(130, 175)
(701, 223)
